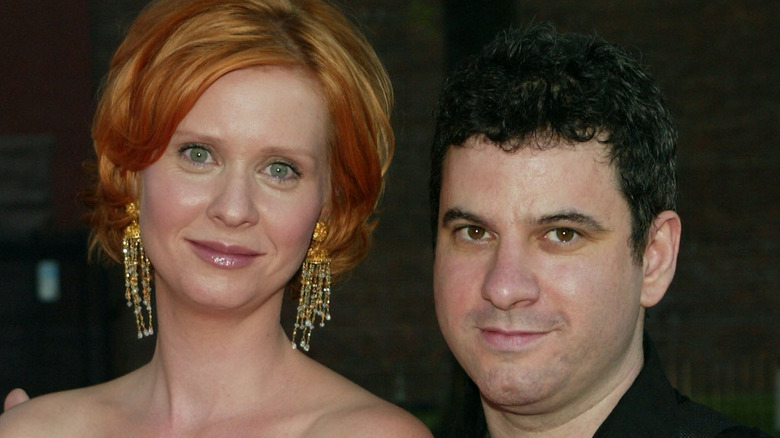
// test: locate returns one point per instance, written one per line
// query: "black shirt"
(653, 408)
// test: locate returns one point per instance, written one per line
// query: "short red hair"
(176, 49)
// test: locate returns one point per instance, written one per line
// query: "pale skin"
(16, 396)
(537, 291)
(226, 215)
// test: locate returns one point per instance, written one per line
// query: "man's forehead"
(480, 148)
(482, 178)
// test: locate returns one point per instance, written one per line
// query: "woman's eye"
(279, 170)
(282, 171)
(562, 235)
(197, 154)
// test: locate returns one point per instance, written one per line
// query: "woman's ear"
(134, 184)
(660, 257)
(327, 204)
(325, 211)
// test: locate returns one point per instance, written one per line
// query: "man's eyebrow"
(572, 217)
(455, 214)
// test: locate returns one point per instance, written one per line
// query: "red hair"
(176, 49)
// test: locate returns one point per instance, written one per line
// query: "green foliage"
(752, 409)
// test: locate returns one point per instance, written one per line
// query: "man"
(553, 193)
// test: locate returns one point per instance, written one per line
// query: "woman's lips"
(222, 255)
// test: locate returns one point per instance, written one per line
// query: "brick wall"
(717, 62)
(384, 333)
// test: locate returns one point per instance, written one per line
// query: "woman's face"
(227, 212)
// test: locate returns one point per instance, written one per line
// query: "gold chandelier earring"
(314, 301)
(137, 273)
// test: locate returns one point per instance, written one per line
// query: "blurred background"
(64, 323)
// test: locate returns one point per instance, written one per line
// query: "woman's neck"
(214, 363)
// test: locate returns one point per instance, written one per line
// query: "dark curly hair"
(536, 86)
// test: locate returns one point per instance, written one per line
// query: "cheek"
(448, 302)
(289, 222)
(456, 285)
(442, 292)
(167, 201)
(595, 289)
(290, 226)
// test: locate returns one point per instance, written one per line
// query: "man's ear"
(660, 258)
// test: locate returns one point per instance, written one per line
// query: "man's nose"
(510, 280)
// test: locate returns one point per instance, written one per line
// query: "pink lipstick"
(222, 255)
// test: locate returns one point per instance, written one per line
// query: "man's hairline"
(552, 141)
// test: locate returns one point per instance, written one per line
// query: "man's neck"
(578, 417)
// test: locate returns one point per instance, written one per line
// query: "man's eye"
(475, 233)
(472, 232)
(562, 235)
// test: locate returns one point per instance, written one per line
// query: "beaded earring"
(314, 301)
(137, 273)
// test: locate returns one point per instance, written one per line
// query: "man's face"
(536, 289)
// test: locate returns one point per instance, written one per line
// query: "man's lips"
(221, 255)
(510, 340)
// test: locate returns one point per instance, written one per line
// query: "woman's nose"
(233, 203)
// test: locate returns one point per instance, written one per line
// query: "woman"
(241, 147)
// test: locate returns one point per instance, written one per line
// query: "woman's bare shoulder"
(75, 412)
(351, 411)
(53, 414)
(379, 419)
